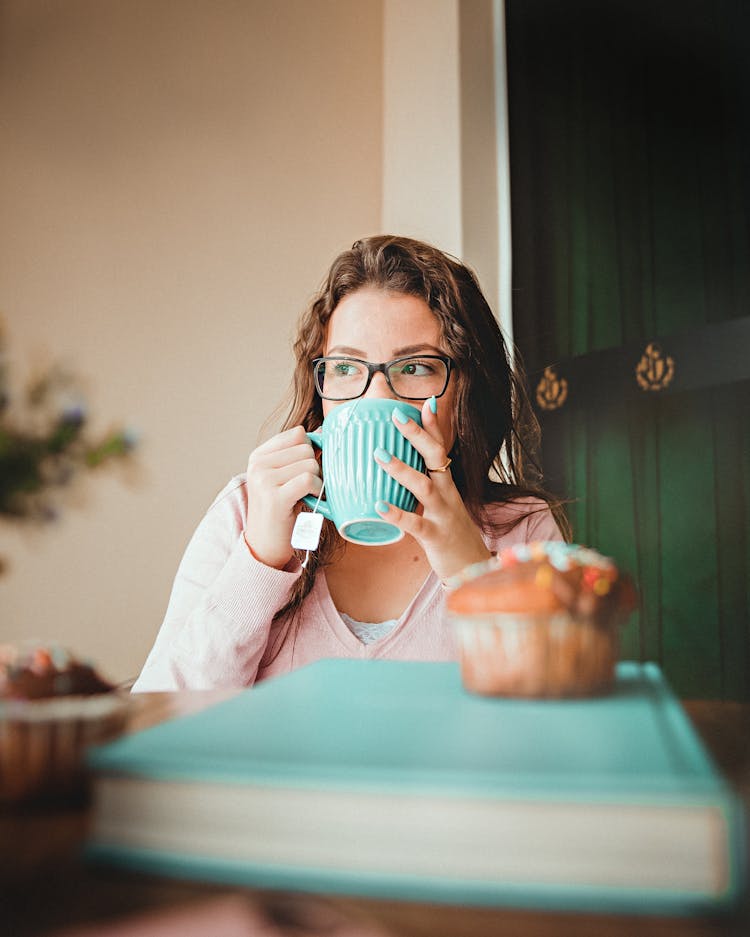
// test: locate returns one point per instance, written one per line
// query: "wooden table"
(45, 886)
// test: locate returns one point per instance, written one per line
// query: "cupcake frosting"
(41, 672)
(544, 577)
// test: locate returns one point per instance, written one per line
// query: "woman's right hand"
(279, 473)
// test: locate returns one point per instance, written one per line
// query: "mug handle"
(310, 500)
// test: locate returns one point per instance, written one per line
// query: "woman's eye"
(344, 369)
(417, 368)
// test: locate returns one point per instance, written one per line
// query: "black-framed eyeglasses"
(414, 377)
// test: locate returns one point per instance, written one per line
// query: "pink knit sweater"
(219, 631)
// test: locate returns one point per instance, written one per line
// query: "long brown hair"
(497, 434)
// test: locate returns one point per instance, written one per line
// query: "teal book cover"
(387, 778)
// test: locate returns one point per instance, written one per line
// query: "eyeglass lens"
(416, 378)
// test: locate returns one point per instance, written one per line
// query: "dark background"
(630, 182)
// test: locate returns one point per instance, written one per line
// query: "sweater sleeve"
(223, 600)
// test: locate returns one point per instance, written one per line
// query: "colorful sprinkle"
(543, 577)
(41, 662)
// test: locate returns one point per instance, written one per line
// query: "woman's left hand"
(443, 528)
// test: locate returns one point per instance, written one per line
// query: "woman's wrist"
(457, 563)
(280, 563)
(449, 582)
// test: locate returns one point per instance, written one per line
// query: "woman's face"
(377, 325)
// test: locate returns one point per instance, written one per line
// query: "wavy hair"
(497, 435)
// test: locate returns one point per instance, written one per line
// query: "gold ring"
(443, 468)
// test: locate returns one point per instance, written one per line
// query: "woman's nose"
(379, 388)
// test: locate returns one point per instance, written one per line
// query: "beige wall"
(174, 179)
(175, 176)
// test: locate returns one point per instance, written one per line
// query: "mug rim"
(373, 403)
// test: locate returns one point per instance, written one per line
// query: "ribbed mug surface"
(354, 482)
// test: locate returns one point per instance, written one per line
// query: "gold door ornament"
(551, 391)
(655, 370)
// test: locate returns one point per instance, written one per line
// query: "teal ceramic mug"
(354, 482)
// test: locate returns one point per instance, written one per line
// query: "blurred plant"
(44, 444)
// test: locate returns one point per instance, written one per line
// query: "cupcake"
(540, 620)
(52, 706)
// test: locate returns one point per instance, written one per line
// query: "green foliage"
(45, 444)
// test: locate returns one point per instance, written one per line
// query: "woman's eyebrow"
(415, 349)
(397, 352)
(345, 350)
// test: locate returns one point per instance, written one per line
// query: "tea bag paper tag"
(306, 533)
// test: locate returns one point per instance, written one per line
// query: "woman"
(243, 607)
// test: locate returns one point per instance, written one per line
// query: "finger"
(280, 458)
(428, 444)
(419, 484)
(305, 484)
(411, 523)
(432, 425)
(285, 439)
(429, 418)
(280, 476)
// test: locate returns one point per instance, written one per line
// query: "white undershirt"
(368, 631)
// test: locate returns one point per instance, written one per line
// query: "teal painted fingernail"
(382, 455)
(401, 417)
(382, 508)
(433, 403)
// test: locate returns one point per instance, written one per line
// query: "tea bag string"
(323, 484)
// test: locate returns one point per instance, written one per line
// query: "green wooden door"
(630, 187)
